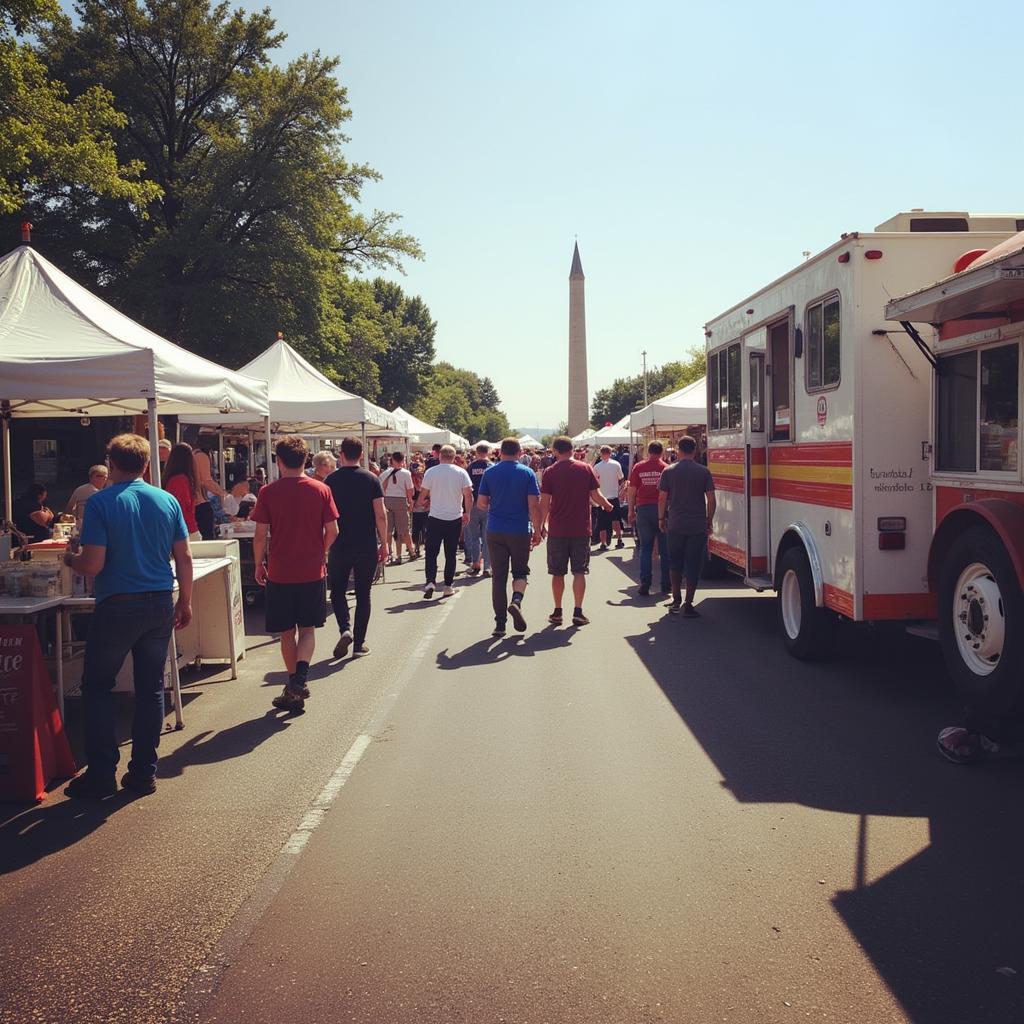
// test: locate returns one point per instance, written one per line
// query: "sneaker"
(141, 784)
(360, 651)
(643, 590)
(287, 701)
(518, 619)
(674, 607)
(473, 570)
(428, 591)
(579, 619)
(398, 560)
(91, 785)
(689, 612)
(620, 544)
(448, 592)
(343, 644)
(499, 630)
(486, 574)
(603, 547)
(555, 618)
(297, 688)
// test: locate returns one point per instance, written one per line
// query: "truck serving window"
(725, 403)
(823, 345)
(977, 410)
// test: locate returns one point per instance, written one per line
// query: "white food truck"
(819, 427)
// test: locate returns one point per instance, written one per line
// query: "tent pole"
(270, 462)
(154, 440)
(220, 458)
(366, 457)
(8, 469)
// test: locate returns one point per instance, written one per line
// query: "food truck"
(975, 566)
(819, 427)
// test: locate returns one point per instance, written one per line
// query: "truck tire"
(807, 631)
(981, 623)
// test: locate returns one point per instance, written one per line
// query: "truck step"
(759, 583)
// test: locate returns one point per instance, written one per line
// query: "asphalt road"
(646, 819)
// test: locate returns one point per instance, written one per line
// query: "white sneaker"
(428, 590)
(448, 592)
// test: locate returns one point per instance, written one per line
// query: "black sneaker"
(287, 701)
(360, 651)
(518, 619)
(486, 574)
(297, 688)
(343, 644)
(498, 631)
(689, 612)
(674, 607)
(620, 544)
(428, 591)
(91, 786)
(643, 590)
(579, 619)
(555, 618)
(141, 784)
(603, 547)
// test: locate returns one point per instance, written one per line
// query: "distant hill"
(537, 432)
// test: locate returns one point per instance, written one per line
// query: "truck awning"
(990, 285)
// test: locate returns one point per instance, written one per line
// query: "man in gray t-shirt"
(686, 509)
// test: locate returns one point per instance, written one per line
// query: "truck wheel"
(251, 597)
(981, 623)
(808, 631)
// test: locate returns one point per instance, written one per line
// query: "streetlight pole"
(644, 354)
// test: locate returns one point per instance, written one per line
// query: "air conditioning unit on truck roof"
(819, 428)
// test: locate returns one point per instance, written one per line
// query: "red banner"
(33, 746)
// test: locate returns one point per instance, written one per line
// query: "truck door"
(780, 426)
(754, 470)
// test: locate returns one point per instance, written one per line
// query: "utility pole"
(644, 354)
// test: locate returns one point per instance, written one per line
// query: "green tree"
(405, 364)
(626, 394)
(454, 398)
(47, 141)
(257, 227)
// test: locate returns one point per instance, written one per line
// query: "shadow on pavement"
(213, 747)
(855, 735)
(519, 645)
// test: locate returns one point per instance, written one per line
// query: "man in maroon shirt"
(300, 515)
(566, 492)
(643, 516)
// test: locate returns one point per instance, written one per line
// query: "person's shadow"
(513, 645)
(212, 747)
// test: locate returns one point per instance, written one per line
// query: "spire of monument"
(577, 266)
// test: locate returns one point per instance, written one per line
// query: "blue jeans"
(647, 531)
(475, 536)
(141, 624)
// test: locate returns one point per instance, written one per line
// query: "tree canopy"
(626, 394)
(462, 401)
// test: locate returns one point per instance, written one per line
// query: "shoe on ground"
(343, 644)
(91, 785)
(297, 688)
(579, 619)
(473, 570)
(603, 547)
(620, 544)
(499, 630)
(486, 574)
(287, 701)
(398, 560)
(555, 618)
(428, 591)
(674, 607)
(643, 590)
(360, 651)
(689, 612)
(448, 592)
(141, 784)
(518, 619)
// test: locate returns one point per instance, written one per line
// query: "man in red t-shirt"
(299, 513)
(566, 491)
(643, 515)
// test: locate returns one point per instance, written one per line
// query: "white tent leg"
(8, 469)
(366, 457)
(154, 440)
(270, 462)
(220, 458)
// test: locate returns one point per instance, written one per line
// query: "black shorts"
(687, 553)
(566, 552)
(295, 604)
(605, 519)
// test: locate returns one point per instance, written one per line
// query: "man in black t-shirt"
(435, 457)
(476, 529)
(361, 544)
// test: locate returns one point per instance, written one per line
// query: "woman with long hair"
(180, 480)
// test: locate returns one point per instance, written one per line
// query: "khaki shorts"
(398, 515)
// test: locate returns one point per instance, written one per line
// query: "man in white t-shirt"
(80, 495)
(396, 482)
(609, 474)
(450, 492)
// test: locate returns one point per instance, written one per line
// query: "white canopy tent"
(617, 433)
(66, 352)
(528, 441)
(430, 435)
(683, 408)
(584, 437)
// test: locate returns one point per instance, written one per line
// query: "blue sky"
(695, 153)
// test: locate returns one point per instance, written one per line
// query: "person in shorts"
(567, 490)
(396, 483)
(510, 496)
(300, 515)
(686, 510)
(609, 474)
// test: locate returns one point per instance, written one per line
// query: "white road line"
(204, 982)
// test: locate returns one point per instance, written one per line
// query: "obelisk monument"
(579, 397)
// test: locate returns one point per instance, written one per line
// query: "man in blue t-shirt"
(510, 496)
(129, 535)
